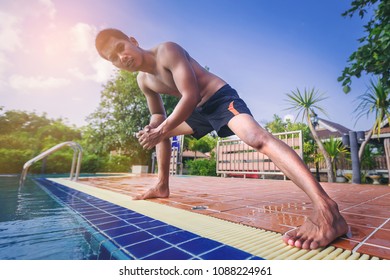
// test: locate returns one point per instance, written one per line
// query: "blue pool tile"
(133, 238)
(105, 207)
(104, 253)
(138, 220)
(90, 213)
(121, 255)
(103, 220)
(179, 237)
(147, 248)
(163, 230)
(226, 253)
(128, 214)
(110, 225)
(123, 211)
(170, 254)
(107, 249)
(114, 232)
(200, 245)
(84, 209)
(93, 216)
(150, 224)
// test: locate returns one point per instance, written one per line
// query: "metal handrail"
(76, 161)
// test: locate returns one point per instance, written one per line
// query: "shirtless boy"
(208, 103)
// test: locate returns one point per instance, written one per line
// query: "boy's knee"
(156, 120)
(258, 141)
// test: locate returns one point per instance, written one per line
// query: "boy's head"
(104, 36)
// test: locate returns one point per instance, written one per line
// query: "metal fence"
(176, 165)
(175, 161)
(234, 157)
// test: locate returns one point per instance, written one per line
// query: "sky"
(264, 49)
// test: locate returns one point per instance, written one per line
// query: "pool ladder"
(76, 162)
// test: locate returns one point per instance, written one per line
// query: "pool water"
(34, 226)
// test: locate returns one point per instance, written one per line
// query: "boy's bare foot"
(159, 191)
(320, 229)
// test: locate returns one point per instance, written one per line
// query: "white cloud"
(83, 38)
(9, 32)
(10, 41)
(103, 72)
(37, 9)
(3, 64)
(49, 7)
(3, 85)
(19, 82)
(12, 21)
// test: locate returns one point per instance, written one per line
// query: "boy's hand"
(149, 137)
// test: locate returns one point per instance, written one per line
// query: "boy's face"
(123, 54)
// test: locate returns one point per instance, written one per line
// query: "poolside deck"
(273, 205)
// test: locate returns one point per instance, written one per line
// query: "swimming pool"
(33, 226)
(53, 221)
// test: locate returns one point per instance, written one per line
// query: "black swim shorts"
(217, 112)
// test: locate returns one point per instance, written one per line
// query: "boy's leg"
(161, 189)
(163, 153)
(325, 223)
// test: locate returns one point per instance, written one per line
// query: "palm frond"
(375, 100)
(304, 103)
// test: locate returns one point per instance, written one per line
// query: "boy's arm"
(155, 105)
(176, 61)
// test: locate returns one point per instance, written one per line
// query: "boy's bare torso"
(163, 82)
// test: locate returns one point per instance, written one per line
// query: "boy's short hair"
(104, 35)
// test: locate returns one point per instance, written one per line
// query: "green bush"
(118, 163)
(202, 167)
(92, 163)
(11, 161)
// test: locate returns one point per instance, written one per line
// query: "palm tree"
(305, 103)
(375, 100)
(335, 148)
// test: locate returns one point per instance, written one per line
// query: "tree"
(203, 145)
(335, 148)
(122, 112)
(376, 100)
(24, 135)
(373, 55)
(305, 103)
(369, 154)
(276, 125)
